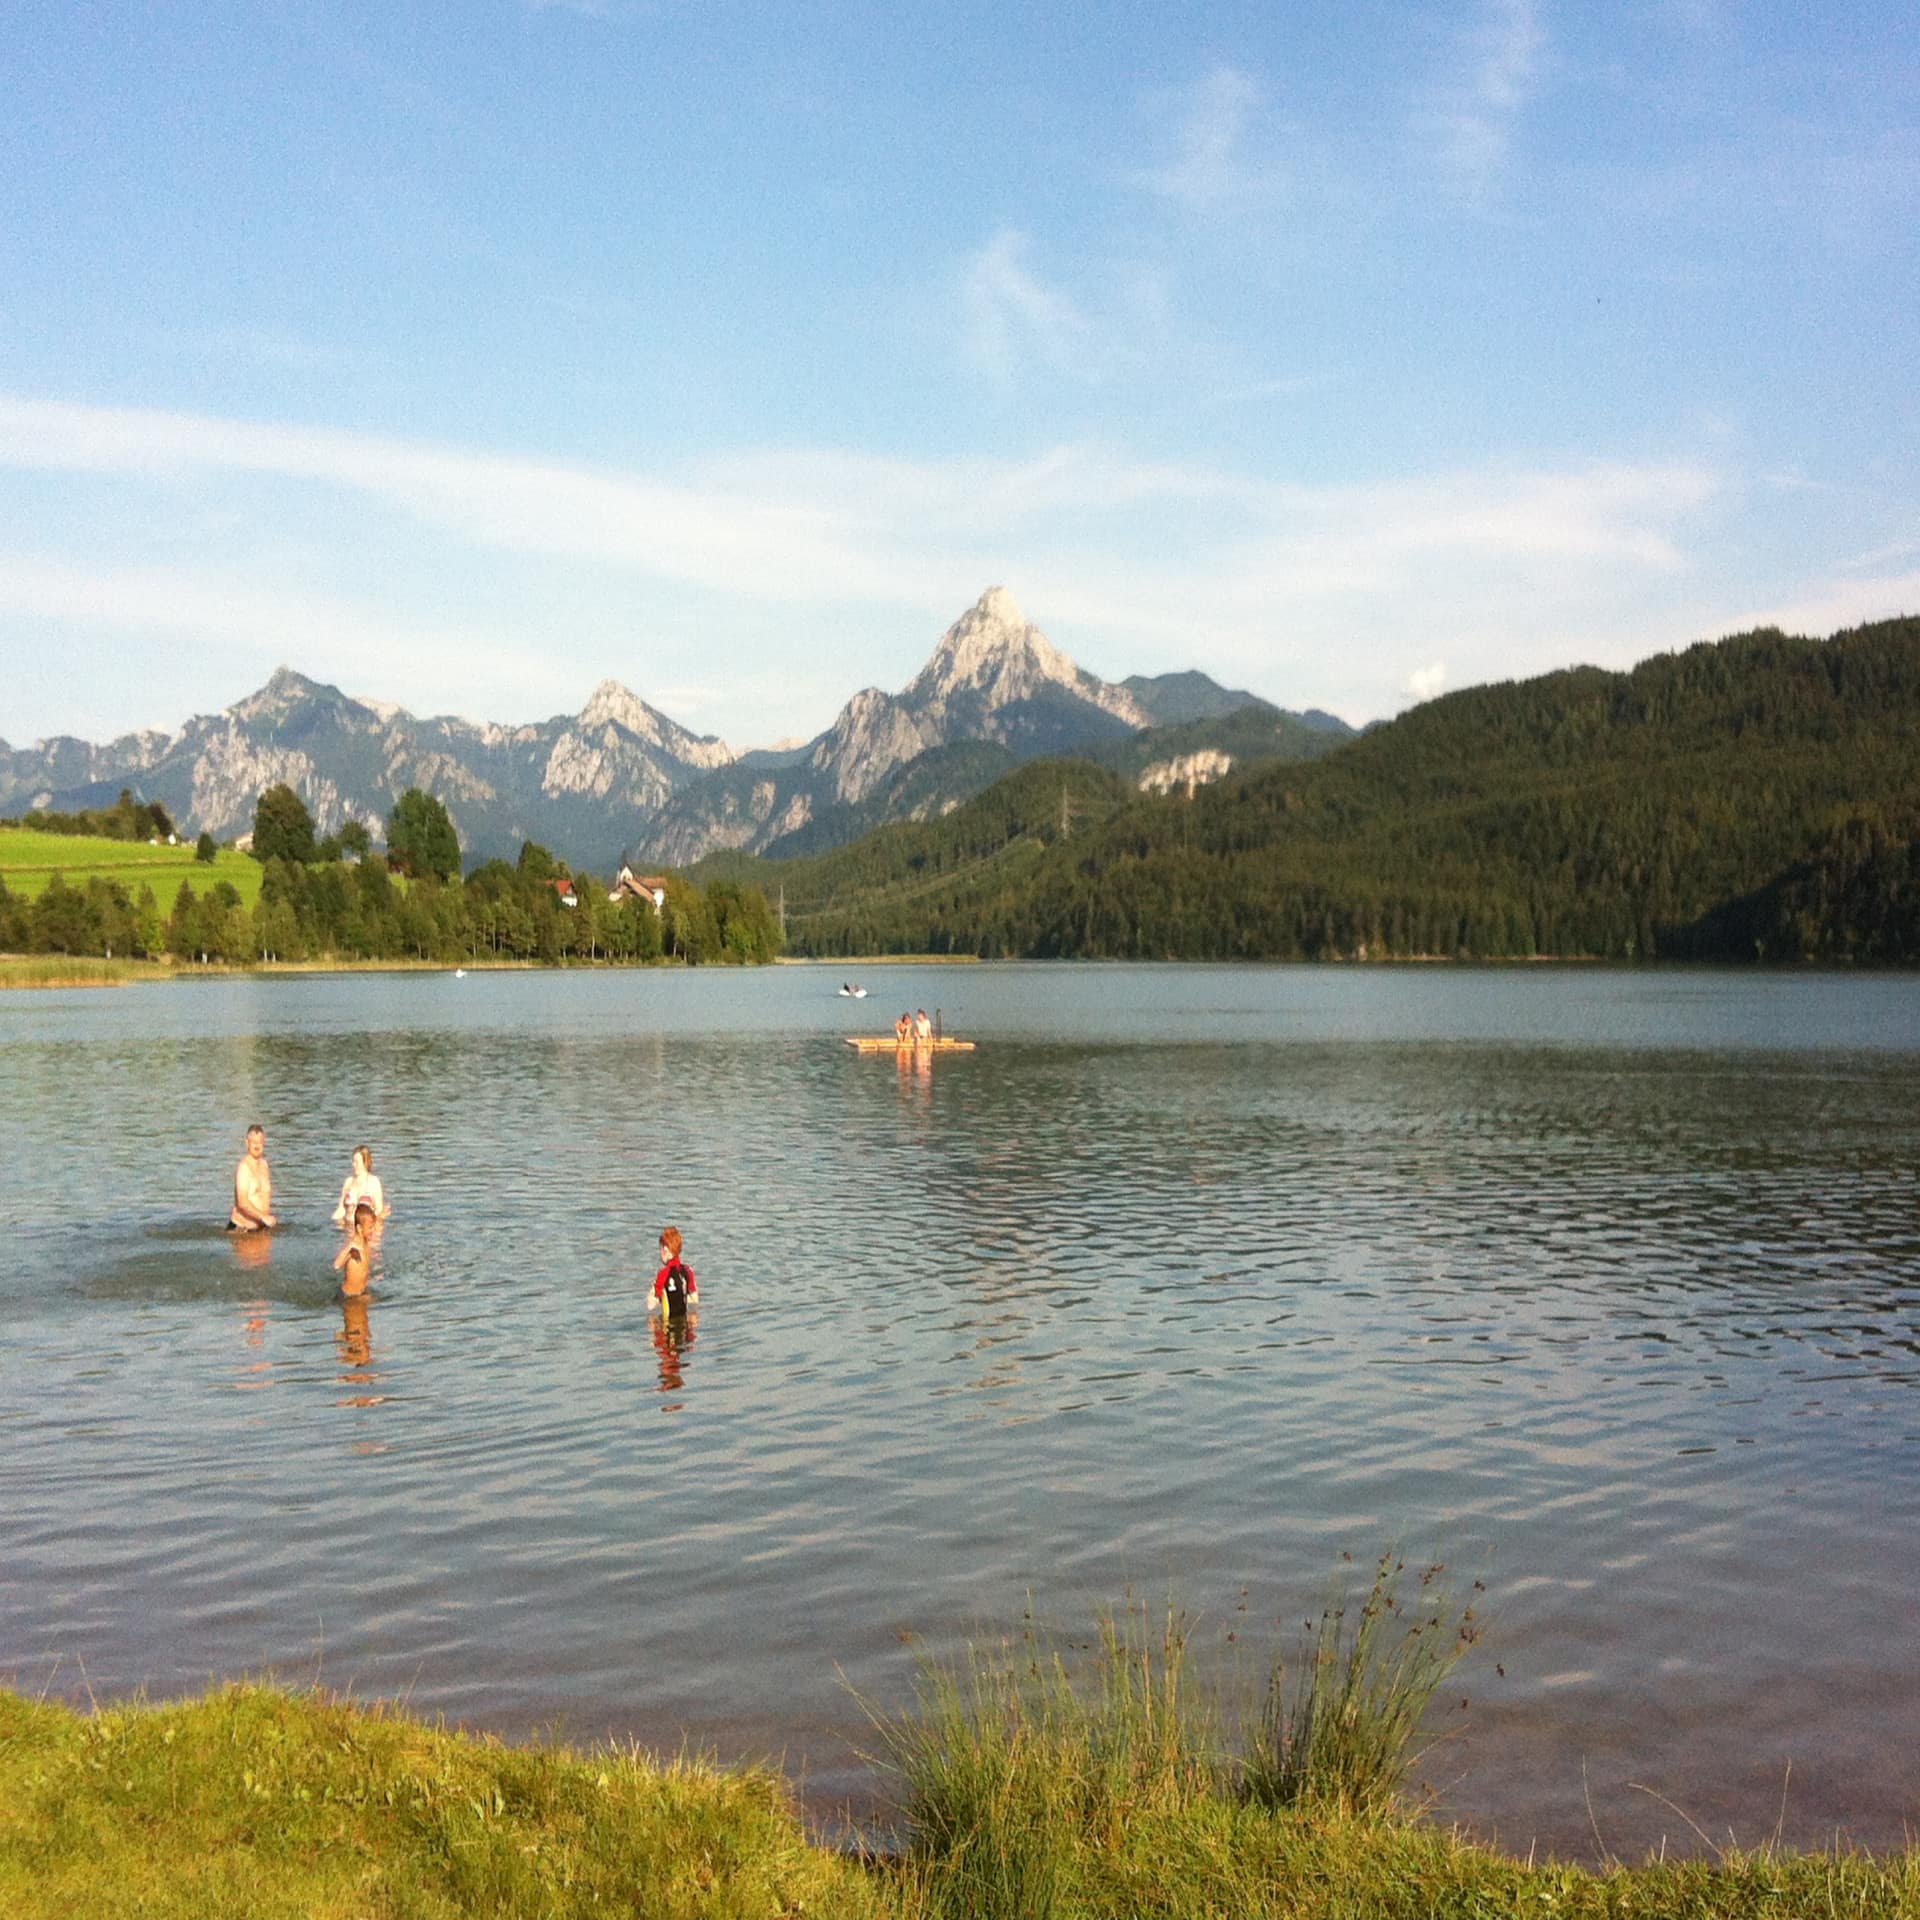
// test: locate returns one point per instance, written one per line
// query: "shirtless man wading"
(253, 1187)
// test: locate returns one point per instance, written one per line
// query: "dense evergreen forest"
(1750, 798)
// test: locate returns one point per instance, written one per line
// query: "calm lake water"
(1599, 1286)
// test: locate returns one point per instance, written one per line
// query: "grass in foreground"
(1036, 1787)
(1340, 1730)
(258, 1802)
(1039, 1787)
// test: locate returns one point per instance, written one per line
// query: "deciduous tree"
(282, 826)
(420, 836)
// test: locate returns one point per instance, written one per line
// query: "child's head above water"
(670, 1242)
(364, 1216)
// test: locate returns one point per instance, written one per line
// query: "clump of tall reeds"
(1035, 1772)
(70, 970)
(1020, 1757)
(1338, 1726)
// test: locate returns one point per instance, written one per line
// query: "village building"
(629, 885)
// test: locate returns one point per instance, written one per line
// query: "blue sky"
(467, 354)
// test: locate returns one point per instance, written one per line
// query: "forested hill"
(1756, 797)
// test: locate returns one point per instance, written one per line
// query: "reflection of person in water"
(252, 1250)
(253, 1187)
(356, 1332)
(671, 1339)
(355, 1344)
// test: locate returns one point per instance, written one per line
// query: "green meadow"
(30, 858)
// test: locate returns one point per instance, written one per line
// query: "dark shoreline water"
(1600, 1285)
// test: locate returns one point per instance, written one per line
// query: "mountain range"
(619, 779)
(1756, 797)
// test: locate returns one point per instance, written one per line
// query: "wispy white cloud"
(1469, 118)
(1341, 593)
(1014, 318)
(340, 638)
(275, 347)
(1423, 683)
(702, 533)
(1866, 563)
(1210, 164)
(1846, 600)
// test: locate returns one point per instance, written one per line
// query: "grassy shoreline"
(1037, 1779)
(48, 970)
(845, 961)
(81, 970)
(257, 1800)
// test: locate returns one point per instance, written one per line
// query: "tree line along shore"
(68, 895)
(1749, 799)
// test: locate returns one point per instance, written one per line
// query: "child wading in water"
(351, 1261)
(675, 1289)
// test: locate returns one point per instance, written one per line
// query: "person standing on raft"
(675, 1291)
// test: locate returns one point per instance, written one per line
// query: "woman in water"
(361, 1184)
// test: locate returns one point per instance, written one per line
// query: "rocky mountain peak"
(989, 638)
(613, 705)
(285, 690)
(610, 702)
(995, 653)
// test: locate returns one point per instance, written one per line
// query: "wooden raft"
(886, 1043)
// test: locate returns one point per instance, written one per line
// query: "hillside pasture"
(30, 858)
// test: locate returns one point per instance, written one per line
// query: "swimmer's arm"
(341, 1258)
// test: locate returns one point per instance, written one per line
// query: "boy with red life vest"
(675, 1290)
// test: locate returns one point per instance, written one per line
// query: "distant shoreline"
(844, 962)
(51, 970)
(45, 972)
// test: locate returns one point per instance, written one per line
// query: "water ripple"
(1602, 1286)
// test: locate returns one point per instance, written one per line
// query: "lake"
(1600, 1286)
